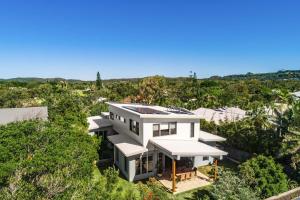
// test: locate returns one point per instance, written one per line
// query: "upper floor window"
(164, 129)
(134, 126)
(111, 115)
(192, 129)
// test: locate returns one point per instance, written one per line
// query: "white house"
(153, 139)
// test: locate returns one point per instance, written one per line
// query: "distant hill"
(280, 75)
(35, 79)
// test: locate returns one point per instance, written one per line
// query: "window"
(144, 165)
(205, 158)
(126, 164)
(150, 163)
(192, 129)
(111, 115)
(173, 128)
(155, 130)
(164, 129)
(117, 155)
(134, 126)
(137, 166)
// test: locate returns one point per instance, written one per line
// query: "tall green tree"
(98, 81)
(264, 175)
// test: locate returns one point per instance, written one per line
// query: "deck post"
(216, 169)
(173, 175)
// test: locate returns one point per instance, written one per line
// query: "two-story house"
(152, 139)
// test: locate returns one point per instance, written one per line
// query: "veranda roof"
(186, 148)
(127, 145)
(208, 137)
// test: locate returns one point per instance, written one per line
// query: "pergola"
(175, 149)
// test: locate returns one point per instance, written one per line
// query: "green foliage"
(231, 187)
(97, 108)
(264, 175)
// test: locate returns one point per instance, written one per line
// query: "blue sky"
(77, 38)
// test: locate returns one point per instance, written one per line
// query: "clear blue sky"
(75, 39)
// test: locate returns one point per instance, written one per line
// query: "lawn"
(224, 164)
(193, 194)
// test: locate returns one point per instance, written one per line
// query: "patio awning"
(186, 148)
(208, 137)
(127, 145)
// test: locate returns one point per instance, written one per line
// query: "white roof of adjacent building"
(297, 94)
(127, 145)
(102, 99)
(208, 137)
(96, 122)
(186, 147)
(221, 114)
(8, 115)
(153, 111)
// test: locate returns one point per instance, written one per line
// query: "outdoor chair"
(182, 177)
(188, 175)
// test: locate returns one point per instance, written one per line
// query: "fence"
(292, 194)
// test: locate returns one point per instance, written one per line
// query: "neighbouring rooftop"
(296, 94)
(221, 114)
(8, 115)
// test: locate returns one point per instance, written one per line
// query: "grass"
(225, 164)
(193, 194)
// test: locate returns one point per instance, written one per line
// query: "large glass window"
(164, 129)
(134, 126)
(192, 129)
(137, 166)
(150, 163)
(144, 165)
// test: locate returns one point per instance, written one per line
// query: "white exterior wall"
(198, 161)
(123, 128)
(183, 128)
(121, 163)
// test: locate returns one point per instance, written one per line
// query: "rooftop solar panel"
(145, 110)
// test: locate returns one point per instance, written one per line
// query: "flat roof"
(96, 122)
(145, 110)
(208, 137)
(127, 145)
(186, 148)
(152, 111)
